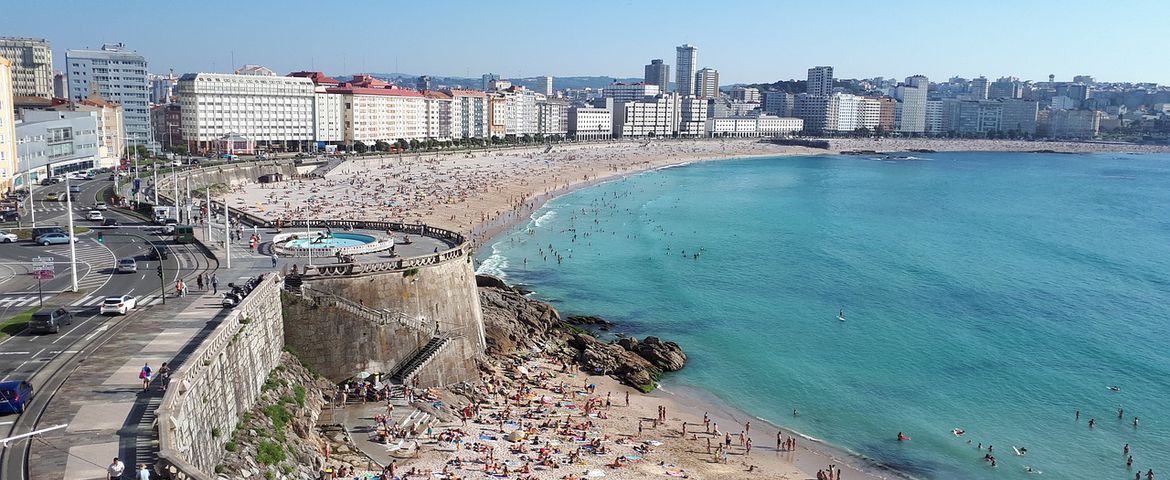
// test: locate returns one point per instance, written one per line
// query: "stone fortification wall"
(218, 382)
(232, 175)
(421, 304)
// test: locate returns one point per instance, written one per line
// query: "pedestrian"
(183, 287)
(164, 375)
(144, 375)
(274, 260)
(115, 470)
(143, 473)
(199, 281)
(214, 284)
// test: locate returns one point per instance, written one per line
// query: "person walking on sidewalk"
(214, 284)
(199, 281)
(144, 375)
(274, 260)
(115, 470)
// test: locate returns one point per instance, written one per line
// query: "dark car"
(14, 395)
(110, 222)
(9, 216)
(49, 321)
(158, 252)
(36, 232)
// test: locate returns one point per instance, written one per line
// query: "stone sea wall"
(219, 381)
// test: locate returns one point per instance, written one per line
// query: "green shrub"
(300, 393)
(231, 446)
(270, 453)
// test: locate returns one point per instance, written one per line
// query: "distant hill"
(534, 83)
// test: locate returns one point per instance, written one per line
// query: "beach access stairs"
(406, 372)
(328, 166)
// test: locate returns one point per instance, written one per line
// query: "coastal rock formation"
(279, 437)
(591, 321)
(516, 324)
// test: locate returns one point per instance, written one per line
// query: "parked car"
(95, 215)
(120, 305)
(7, 237)
(127, 265)
(14, 396)
(54, 239)
(49, 321)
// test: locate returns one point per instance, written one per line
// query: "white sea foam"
(494, 265)
(538, 222)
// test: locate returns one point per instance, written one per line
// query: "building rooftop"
(318, 78)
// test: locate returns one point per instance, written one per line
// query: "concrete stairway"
(411, 367)
(329, 165)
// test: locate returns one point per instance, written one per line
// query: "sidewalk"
(108, 413)
(102, 401)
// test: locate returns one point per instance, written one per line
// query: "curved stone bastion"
(414, 320)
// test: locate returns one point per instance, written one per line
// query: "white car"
(119, 305)
(95, 215)
(7, 237)
(100, 206)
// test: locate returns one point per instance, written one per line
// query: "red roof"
(318, 78)
(391, 90)
(436, 94)
(465, 93)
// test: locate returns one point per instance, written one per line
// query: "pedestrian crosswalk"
(95, 262)
(84, 302)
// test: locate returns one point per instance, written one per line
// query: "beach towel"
(676, 473)
(595, 473)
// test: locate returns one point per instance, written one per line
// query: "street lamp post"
(72, 239)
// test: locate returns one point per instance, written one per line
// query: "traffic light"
(101, 238)
(159, 271)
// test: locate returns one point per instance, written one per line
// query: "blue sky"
(1117, 40)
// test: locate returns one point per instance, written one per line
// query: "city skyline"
(750, 50)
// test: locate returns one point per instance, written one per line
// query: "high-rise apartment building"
(120, 76)
(8, 150)
(934, 117)
(707, 83)
(487, 80)
(820, 81)
(1006, 87)
(912, 96)
(469, 113)
(978, 88)
(591, 123)
(684, 80)
(658, 73)
(162, 88)
(31, 62)
(779, 103)
(422, 83)
(60, 85)
(547, 83)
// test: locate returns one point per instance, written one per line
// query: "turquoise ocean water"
(993, 292)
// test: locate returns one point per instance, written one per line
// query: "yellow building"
(7, 127)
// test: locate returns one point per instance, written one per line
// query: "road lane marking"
(14, 353)
(35, 355)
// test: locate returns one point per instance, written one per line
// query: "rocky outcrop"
(279, 437)
(590, 321)
(516, 324)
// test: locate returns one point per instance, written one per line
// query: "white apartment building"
(912, 102)
(820, 81)
(121, 77)
(275, 112)
(469, 114)
(651, 117)
(437, 115)
(553, 117)
(328, 114)
(31, 62)
(848, 110)
(707, 83)
(692, 116)
(629, 92)
(933, 121)
(753, 126)
(590, 123)
(110, 127)
(8, 150)
(521, 111)
(869, 113)
(385, 114)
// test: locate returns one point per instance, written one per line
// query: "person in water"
(902, 438)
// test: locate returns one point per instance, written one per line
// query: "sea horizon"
(810, 226)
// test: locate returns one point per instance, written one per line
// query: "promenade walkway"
(103, 402)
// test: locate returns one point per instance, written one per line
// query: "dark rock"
(482, 280)
(590, 320)
(665, 355)
(628, 343)
(513, 322)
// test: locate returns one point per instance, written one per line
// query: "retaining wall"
(217, 383)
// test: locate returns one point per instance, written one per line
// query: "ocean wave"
(495, 265)
(538, 222)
